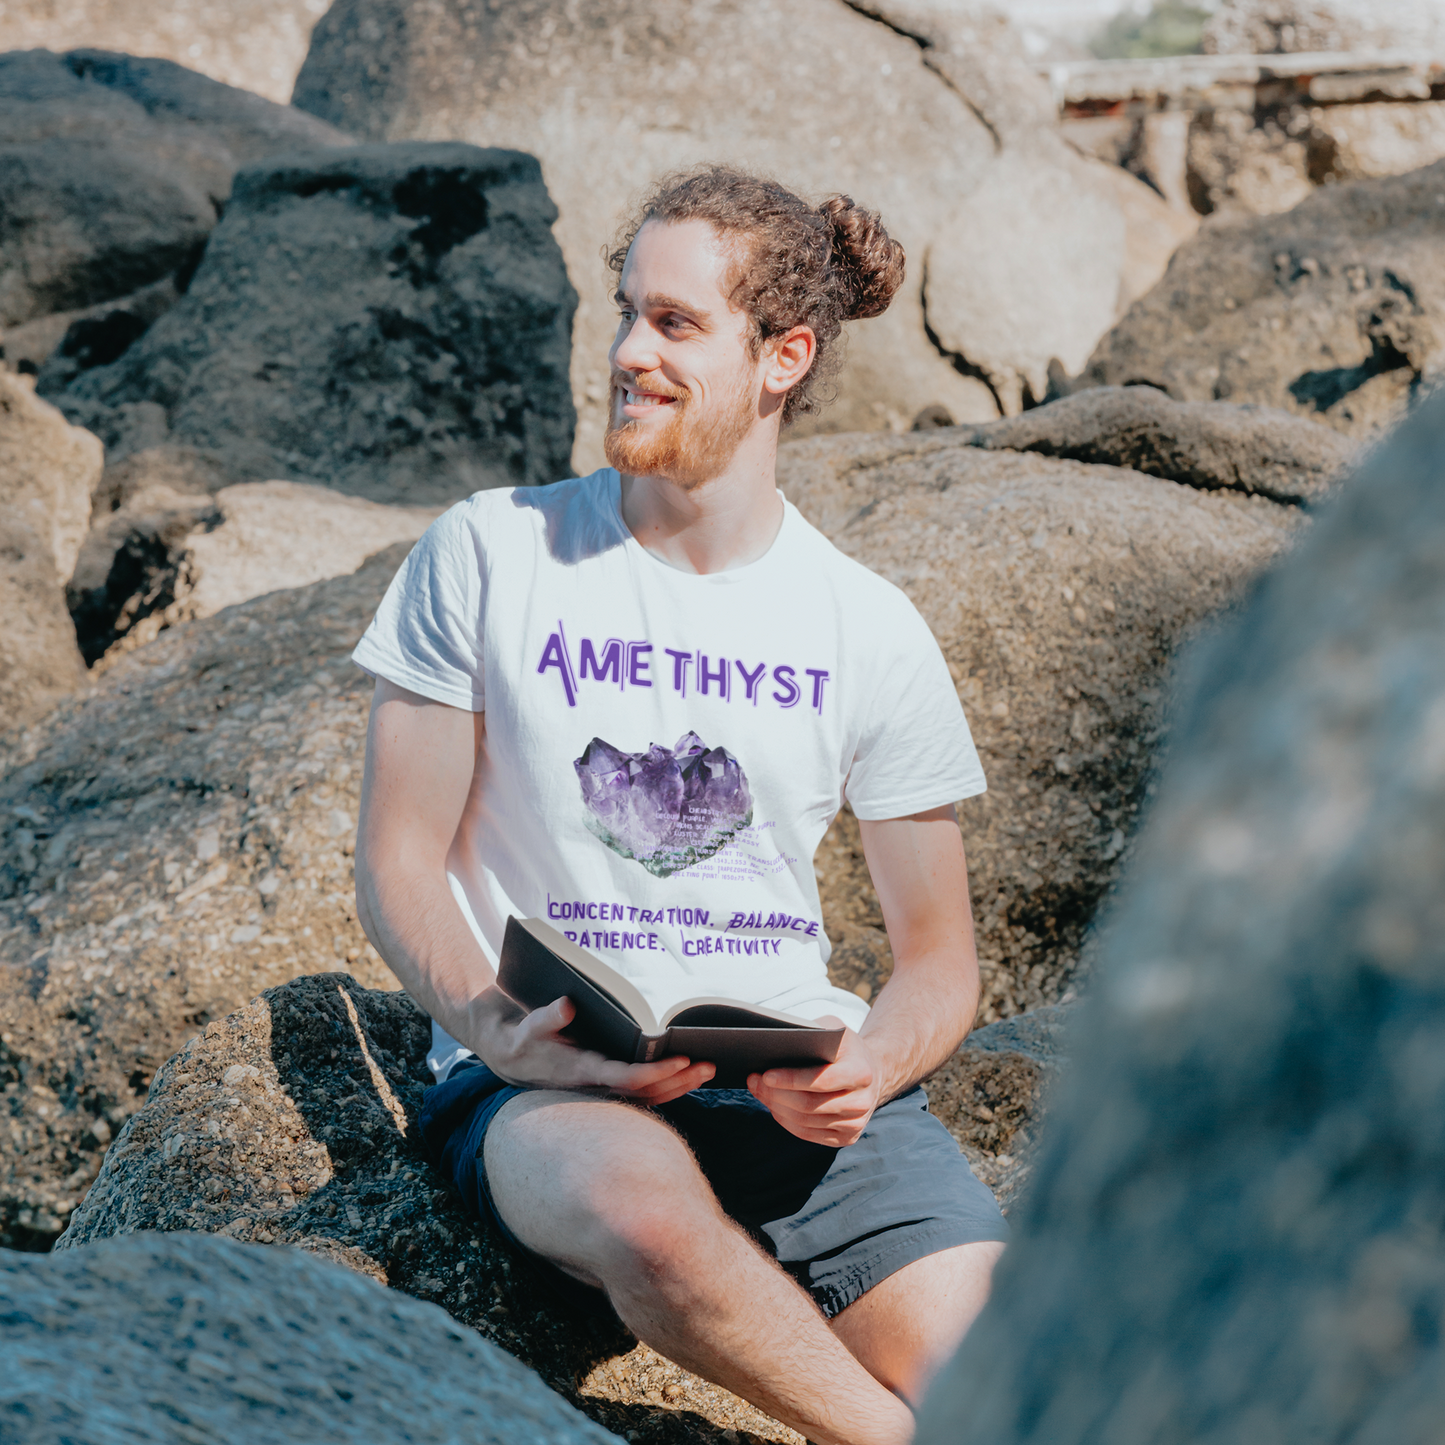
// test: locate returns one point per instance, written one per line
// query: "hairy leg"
(904, 1330)
(612, 1195)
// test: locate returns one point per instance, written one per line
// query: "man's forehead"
(676, 265)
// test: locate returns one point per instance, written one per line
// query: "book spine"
(651, 1049)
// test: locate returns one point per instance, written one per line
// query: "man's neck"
(722, 524)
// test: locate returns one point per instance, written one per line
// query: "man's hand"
(829, 1103)
(527, 1048)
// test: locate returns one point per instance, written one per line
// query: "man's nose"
(635, 349)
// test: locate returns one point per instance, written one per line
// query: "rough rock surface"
(1235, 1227)
(168, 555)
(936, 122)
(170, 1338)
(392, 321)
(47, 471)
(1335, 310)
(169, 845)
(113, 170)
(256, 45)
(1059, 592)
(1202, 444)
(293, 1122)
(1276, 27)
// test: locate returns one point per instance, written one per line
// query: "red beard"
(687, 447)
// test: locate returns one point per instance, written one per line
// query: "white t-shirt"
(663, 752)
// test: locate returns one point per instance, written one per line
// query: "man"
(815, 1243)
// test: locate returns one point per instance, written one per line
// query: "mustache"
(647, 381)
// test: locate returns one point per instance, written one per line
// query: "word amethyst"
(667, 808)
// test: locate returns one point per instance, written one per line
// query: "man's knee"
(604, 1189)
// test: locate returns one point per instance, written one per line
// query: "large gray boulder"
(112, 173)
(255, 45)
(293, 1122)
(167, 1339)
(1235, 1228)
(1334, 311)
(1016, 244)
(47, 472)
(1059, 592)
(390, 320)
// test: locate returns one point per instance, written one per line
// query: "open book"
(540, 965)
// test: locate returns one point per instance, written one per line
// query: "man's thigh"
(586, 1182)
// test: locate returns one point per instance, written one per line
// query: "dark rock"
(1202, 444)
(393, 321)
(293, 1121)
(173, 1338)
(1059, 592)
(1236, 1228)
(1335, 310)
(112, 171)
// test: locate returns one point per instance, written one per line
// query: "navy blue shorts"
(838, 1220)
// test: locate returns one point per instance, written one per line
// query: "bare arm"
(923, 1012)
(419, 761)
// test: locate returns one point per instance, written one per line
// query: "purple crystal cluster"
(668, 807)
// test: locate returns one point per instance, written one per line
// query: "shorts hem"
(835, 1297)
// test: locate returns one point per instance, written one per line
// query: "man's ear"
(789, 359)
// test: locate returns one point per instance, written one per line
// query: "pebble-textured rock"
(1236, 1228)
(169, 845)
(174, 1339)
(1059, 592)
(1209, 444)
(1334, 310)
(293, 1121)
(392, 321)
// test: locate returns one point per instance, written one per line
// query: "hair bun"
(868, 261)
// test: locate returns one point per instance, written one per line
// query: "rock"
(257, 45)
(1234, 1231)
(112, 171)
(392, 321)
(187, 1337)
(168, 555)
(1210, 444)
(171, 844)
(944, 129)
(1059, 592)
(293, 1121)
(1332, 311)
(1274, 27)
(47, 471)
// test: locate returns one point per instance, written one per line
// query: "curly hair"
(796, 264)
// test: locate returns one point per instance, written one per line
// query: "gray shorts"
(838, 1220)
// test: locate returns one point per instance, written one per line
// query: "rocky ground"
(190, 1337)
(293, 1121)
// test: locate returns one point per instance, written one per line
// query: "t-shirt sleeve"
(915, 750)
(427, 633)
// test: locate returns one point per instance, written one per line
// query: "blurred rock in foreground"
(180, 1338)
(392, 321)
(1236, 1229)
(1335, 310)
(293, 1121)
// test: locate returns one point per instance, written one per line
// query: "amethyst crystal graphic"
(668, 807)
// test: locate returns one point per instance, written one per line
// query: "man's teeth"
(643, 398)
